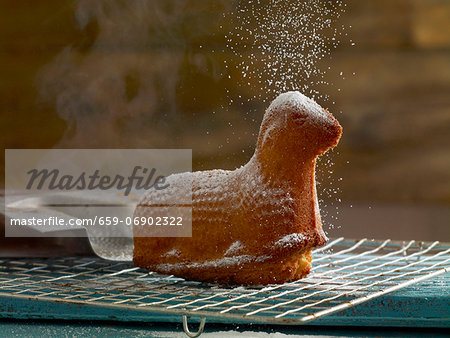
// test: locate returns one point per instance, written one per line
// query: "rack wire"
(345, 273)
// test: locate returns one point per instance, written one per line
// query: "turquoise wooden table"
(119, 329)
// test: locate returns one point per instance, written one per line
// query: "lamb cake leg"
(256, 224)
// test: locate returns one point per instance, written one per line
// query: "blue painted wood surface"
(426, 304)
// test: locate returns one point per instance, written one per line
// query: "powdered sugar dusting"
(291, 240)
(296, 101)
(214, 189)
(172, 253)
(278, 44)
(218, 263)
(234, 248)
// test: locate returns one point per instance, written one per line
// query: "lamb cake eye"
(299, 120)
(255, 225)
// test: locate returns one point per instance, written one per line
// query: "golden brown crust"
(259, 223)
(274, 271)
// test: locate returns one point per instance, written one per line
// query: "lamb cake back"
(256, 224)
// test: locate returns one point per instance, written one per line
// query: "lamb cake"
(257, 224)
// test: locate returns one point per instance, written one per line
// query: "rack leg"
(200, 328)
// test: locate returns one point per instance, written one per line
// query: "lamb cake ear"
(256, 224)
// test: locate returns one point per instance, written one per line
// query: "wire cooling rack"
(345, 273)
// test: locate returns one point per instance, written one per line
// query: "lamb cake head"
(295, 127)
(258, 223)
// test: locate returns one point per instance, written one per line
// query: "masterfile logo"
(54, 180)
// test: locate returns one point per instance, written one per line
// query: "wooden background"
(86, 74)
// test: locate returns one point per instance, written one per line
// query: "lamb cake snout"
(258, 223)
